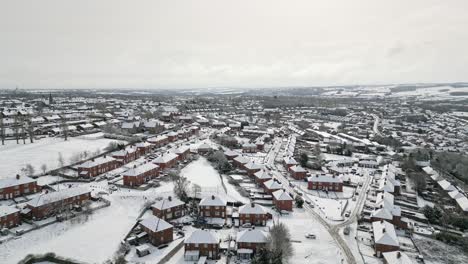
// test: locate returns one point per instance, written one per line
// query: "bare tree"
(29, 169)
(279, 243)
(60, 160)
(64, 126)
(181, 185)
(2, 130)
(44, 168)
(30, 130)
(16, 128)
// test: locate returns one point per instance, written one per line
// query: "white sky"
(241, 43)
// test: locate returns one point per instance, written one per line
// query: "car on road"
(247, 225)
(310, 236)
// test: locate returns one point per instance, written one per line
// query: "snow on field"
(435, 251)
(320, 250)
(201, 172)
(45, 151)
(93, 240)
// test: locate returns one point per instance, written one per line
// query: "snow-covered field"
(201, 172)
(93, 240)
(45, 151)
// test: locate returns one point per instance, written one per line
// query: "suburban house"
(298, 172)
(94, 167)
(262, 176)
(165, 161)
(282, 200)
(325, 182)
(9, 216)
(168, 209)
(158, 141)
(249, 148)
(260, 145)
(126, 155)
(18, 186)
(396, 257)
(230, 154)
(172, 136)
(240, 161)
(182, 152)
(385, 238)
(55, 202)
(143, 148)
(249, 241)
(271, 186)
(289, 162)
(159, 231)
(201, 243)
(213, 206)
(140, 175)
(252, 168)
(385, 209)
(204, 148)
(254, 214)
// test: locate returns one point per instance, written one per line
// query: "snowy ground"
(93, 240)
(45, 151)
(201, 172)
(437, 252)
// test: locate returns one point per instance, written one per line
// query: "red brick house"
(168, 209)
(240, 162)
(254, 214)
(204, 148)
(249, 241)
(159, 231)
(18, 186)
(54, 202)
(212, 206)
(9, 217)
(385, 209)
(252, 168)
(262, 176)
(260, 145)
(288, 162)
(249, 148)
(140, 175)
(297, 172)
(324, 182)
(201, 243)
(172, 136)
(230, 154)
(182, 152)
(385, 238)
(194, 130)
(271, 186)
(158, 141)
(143, 148)
(165, 161)
(126, 155)
(282, 200)
(95, 167)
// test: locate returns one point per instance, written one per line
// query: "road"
(333, 230)
(376, 124)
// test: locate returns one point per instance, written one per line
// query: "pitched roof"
(96, 162)
(155, 224)
(60, 195)
(272, 184)
(325, 178)
(201, 237)
(8, 182)
(213, 201)
(165, 158)
(281, 195)
(7, 210)
(396, 257)
(263, 174)
(384, 233)
(252, 209)
(167, 203)
(251, 236)
(140, 169)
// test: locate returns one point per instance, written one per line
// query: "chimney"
(169, 198)
(398, 255)
(17, 176)
(383, 230)
(252, 205)
(134, 166)
(212, 197)
(105, 156)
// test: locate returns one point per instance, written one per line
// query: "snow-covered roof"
(142, 145)
(242, 159)
(9, 182)
(281, 195)
(252, 209)
(96, 162)
(396, 257)
(251, 236)
(263, 174)
(446, 186)
(7, 210)
(253, 166)
(231, 153)
(140, 169)
(298, 168)
(165, 158)
(272, 184)
(213, 201)
(155, 224)
(290, 161)
(455, 194)
(204, 146)
(325, 178)
(201, 237)
(384, 233)
(463, 203)
(60, 195)
(167, 203)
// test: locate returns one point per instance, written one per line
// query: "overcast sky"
(216, 43)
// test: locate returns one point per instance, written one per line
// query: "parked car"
(247, 225)
(310, 236)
